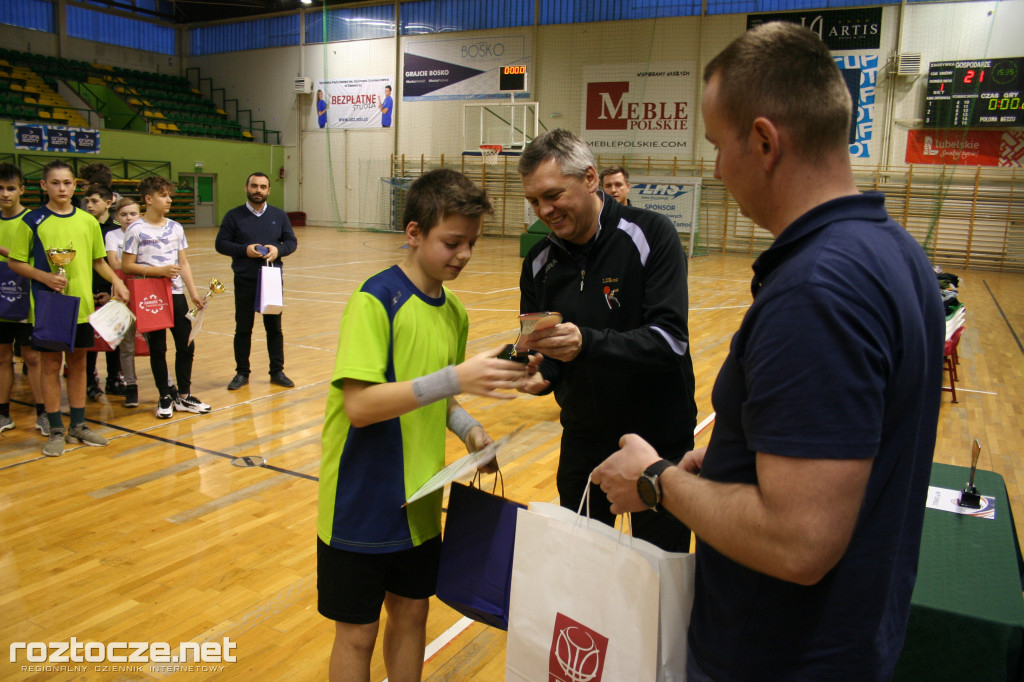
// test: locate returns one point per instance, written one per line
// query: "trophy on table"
(215, 288)
(60, 258)
(969, 496)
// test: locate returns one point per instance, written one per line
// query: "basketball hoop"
(489, 153)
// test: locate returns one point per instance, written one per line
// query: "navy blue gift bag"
(56, 321)
(475, 572)
(14, 298)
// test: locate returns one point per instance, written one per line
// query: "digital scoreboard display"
(512, 78)
(975, 93)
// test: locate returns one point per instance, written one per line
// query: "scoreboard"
(512, 78)
(975, 93)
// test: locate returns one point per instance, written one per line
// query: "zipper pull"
(583, 273)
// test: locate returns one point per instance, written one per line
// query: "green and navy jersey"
(14, 282)
(391, 331)
(56, 231)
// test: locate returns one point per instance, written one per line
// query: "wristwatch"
(647, 486)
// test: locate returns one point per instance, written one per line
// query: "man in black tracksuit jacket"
(620, 361)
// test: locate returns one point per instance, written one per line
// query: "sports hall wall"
(340, 169)
(334, 174)
(231, 161)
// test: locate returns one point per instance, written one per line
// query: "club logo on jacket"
(609, 292)
(577, 652)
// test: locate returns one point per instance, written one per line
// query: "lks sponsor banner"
(841, 29)
(966, 148)
(351, 102)
(639, 107)
(465, 68)
(50, 138)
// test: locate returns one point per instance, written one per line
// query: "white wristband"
(461, 423)
(440, 385)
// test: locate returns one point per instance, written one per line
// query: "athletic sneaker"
(55, 446)
(131, 396)
(43, 424)
(190, 403)
(93, 392)
(5, 423)
(115, 387)
(165, 409)
(81, 433)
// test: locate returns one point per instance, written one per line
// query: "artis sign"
(850, 29)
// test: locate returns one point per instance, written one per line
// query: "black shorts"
(16, 331)
(84, 338)
(351, 585)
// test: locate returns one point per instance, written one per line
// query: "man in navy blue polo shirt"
(810, 496)
(255, 234)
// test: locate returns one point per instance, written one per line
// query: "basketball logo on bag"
(152, 304)
(577, 652)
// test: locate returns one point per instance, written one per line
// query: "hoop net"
(489, 153)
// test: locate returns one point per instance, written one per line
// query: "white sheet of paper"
(461, 467)
(944, 499)
(197, 324)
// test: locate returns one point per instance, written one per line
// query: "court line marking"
(1020, 346)
(145, 434)
(444, 639)
(967, 390)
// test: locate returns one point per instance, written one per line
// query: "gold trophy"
(215, 288)
(60, 258)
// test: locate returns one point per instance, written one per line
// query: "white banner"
(354, 103)
(648, 108)
(462, 68)
(676, 198)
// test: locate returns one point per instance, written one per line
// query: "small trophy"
(60, 258)
(215, 288)
(969, 496)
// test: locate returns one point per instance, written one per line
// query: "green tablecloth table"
(967, 612)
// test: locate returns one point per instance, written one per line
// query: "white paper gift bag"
(583, 606)
(676, 573)
(270, 291)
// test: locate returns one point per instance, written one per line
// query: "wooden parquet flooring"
(158, 537)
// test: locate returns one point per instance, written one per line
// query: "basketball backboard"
(513, 125)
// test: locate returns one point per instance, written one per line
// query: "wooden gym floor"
(159, 538)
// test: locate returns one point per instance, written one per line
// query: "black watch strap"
(658, 467)
(647, 485)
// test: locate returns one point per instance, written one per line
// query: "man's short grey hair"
(572, 153)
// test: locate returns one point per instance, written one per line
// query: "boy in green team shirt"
(12, 186)
(401, 361)
(56, 225)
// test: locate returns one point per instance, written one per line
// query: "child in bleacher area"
(154, 246)
(99, 173)
(54, 226)
(127, 212)
(12, 186)
(98, 199)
